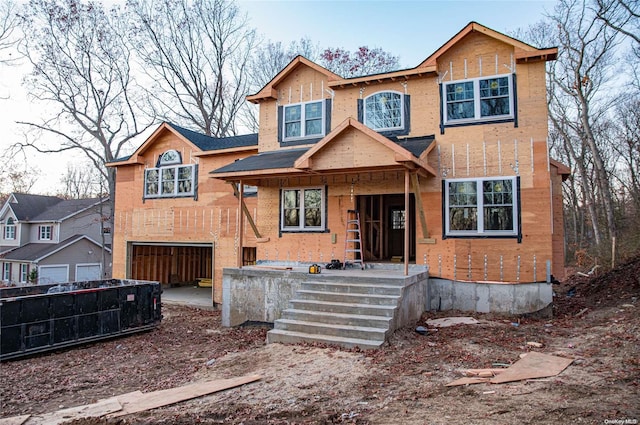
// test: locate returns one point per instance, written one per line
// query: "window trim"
(478, 118)
(11, 226)
(402, 112)
(302, 105)
(480, 232)
(24, 272)
(301, 228)
(6, 272)
(42, 232)
(176, 173)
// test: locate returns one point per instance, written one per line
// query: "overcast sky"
(411, 30)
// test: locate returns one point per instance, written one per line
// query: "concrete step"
(355, 288)
(289, 337)
(343, 331)
(337, 318)
(346, 308)
(357, 298)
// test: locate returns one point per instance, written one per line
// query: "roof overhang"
(313, 161)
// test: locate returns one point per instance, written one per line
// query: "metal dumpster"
(38, 318)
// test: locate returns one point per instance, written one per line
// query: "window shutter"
(280, 122)
(361, 110)
(327, 116)
(515, 100)
(407, 114)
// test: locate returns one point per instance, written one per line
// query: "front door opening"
(383, 221)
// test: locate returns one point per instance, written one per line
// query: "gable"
(299, 69)
(523, 52)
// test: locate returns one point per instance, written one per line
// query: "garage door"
(53, 274)
(88, 272)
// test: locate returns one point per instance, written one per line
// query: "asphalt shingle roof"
(208, 143)
(415, 145)
(264, 161)
(35, 251)
(47, 208)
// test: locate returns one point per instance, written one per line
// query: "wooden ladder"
(353, 239)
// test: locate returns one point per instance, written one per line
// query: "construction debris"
(129, 403)
(451, 321)
(533, 365)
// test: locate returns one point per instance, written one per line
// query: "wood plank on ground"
(94, 410)
(533, 365)
(467, 381)
(174, 395)
(14, 420)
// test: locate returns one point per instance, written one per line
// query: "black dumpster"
(47, 317)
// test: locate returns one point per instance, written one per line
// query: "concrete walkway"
(192, 296)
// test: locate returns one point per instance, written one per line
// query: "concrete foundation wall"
(521, 298)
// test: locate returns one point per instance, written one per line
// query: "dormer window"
(478, 100)
(45, 233)
(170, 178)
(10, 229)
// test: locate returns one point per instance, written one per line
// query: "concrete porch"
(351, 307)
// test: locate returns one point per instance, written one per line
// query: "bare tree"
(198, 53)
(579, 78)
(81, 71)
(82, 181)
(17, 176)
(8, 31)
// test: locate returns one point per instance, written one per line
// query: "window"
(24, 273)
(303, 209)
(478, 99)
(6, 272)
(10, 229)
(169, 181)
(304, 120)
(106, 230)
(46, 233)
(397, 219)
(485, 207)
(384, 111)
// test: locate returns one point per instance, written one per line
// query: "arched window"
(170, 178)
(10, 229)
(384, 111)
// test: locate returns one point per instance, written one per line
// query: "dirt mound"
(615, 287)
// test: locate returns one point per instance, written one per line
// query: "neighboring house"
(47, 239)
(447, 164)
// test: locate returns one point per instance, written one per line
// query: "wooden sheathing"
(502, 260)
(476, 55)
(303, 84)
(211, 220)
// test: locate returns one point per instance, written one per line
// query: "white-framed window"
(10, 229)
(24, 272)
(478, 99)
(45, 233)
(169, 181)
(303, 209)
(6, 272)
(302, 120)
(483, 206)
(384, 111)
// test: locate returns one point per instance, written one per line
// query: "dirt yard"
(596, 322)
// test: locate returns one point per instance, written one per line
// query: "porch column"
(406, 222)
(240, 224)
